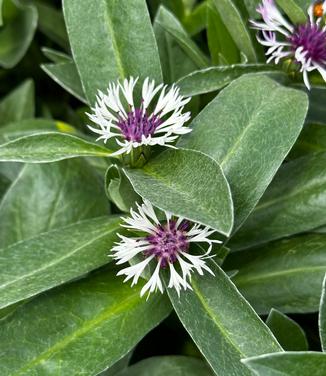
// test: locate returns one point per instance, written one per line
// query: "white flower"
(151, 122)
(166, 244)
(305, 44)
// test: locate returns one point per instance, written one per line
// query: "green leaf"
(168, 365)
(288, 333)
(218, 317)
(19, 24)
(220, 42)
(56, 56)
(175, 62)
(1, 18)
(88, 326)
(49, 147)
(288, 364)
(4, 184)
(66, 75)
(188, 184)
(293, 10)
(295, 202)
(185, 42)
(119, 189)
(215, 78)
(54, 257)
(249, 145)
(317, 97)
(312, 139)
(286, 275)
(237, 28)
(51, 23)
(118, 367)
(196, 21)
(322, 317)
(18, 104)
(58, 194)
(27, 127)
(111, 40)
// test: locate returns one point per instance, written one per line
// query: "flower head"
(305, 44)
(164, 243)
(157, 120)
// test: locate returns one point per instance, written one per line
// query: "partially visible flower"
(164, 243)
(305, 43)
(150, 122)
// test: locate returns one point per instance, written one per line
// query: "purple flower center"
(168, 241)
(312, 39)
(138, 124)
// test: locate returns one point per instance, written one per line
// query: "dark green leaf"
(18, 104)
(18, 30)
(51, 23)
(185, 42)
(175, 62)
(220, 42)
(312, 139)
(322, 316)
(288, 333)
(49, 147)
(295, 202)
(56, 56)
(47, 196)
(188, 184)
(119, 189)
(293, 10)
(286, 275)
(88, 326)
(215, 78)
(54, 257)
(168, 365)
(288, 364)
(111, 40)
(249, 145)
(234, 22)
(66, 75)
(218, 317)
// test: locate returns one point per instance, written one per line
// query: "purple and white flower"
(305, 43)
(166, 243)
(157, 120)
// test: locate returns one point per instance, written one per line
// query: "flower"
(305, 43)
(158, 123)
(165, 243)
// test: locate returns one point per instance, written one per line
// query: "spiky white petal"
(145, 220)
(110, 108)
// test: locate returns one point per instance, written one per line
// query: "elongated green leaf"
(220, 42)
(185, 42)
(27, 127)
(188, 184)
(56, 56)
(215, 78)
(249, 145)
(66, 75)
(58, 194)
(196, 20)
(47, 260)
(286, 275)
(218, 317)
(88, 326)
(293, 10)
(236, 26)
(295, 202)
(49, 147)
(288, 333)
(111, 40)
(322, 317)
(175, 62)
(17, 32)
(288, 364)
(19, 104)
(312, 139)
(1, 19)
(4, 184)
(51, 23)
(168, 365)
